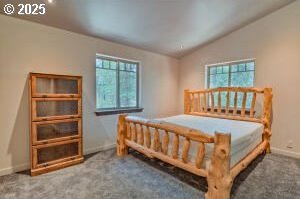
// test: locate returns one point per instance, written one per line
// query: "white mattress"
(244, 135)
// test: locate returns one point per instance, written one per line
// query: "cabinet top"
(54, 75)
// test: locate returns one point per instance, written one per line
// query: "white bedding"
(244, 135)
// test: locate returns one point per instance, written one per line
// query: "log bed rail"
(152, 138)
(158, 139)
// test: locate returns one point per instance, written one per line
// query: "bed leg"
(122, 149)
(268, 95)
(219, 179)
(268, 149)
(266, 137)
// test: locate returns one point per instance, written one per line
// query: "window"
(232, 74)
(116, 83)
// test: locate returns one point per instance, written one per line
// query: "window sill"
(118, 111)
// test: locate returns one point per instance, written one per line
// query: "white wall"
(275, 43)
(29, 47)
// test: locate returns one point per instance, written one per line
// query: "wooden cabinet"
(54, 153)
(44, 109)
(56, 130)
(44, 85)
(55, 121)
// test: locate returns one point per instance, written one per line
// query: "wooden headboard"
(196, 103)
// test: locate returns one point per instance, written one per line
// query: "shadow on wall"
(98, 131)
(19, 142)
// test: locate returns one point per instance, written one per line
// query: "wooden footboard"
(153, 138)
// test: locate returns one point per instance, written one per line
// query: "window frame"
(229, 63)
(118, 108)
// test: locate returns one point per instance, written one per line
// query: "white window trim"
(207, 66)
(138, 95)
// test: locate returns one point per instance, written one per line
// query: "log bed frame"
(143, 135)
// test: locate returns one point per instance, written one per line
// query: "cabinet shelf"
(55, 121)
(49, 154)
(56, 130)
(48, 85)
(44, 109)
(53, 167)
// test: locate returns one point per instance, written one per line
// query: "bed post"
(121, 147)
(187, 102)
(219, 179)
(268, 95)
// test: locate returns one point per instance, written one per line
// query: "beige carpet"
(105, 176)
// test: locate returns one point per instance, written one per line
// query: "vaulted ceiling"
(170, 27)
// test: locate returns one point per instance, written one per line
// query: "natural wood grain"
(219, 179)
(231, 117)
(59, 137)
(176, 162)
(193, 102)
(253, 105)
(35, 172)
(59, 76)
(226, 112)
(35, 118)
(128, 131)
(193, 134)
(200, 155)
(165, 143)
(219, 102)
(56, 143)
(55, 162)
(156, 142)
(141, 135)
(175, 146)
(235, 103)
(199, 103)
(148, 137)
(185, 150)
(62, 158)
(267, 109)
(134, 132)
(80, 148)
(212, 102)
(204, 102)
(187, 102)
(219, 175)
(122, 128)
(227, 102)
(44, 95)
(231, 89)
(244, 104)
(37, 94)
(69, 141)
(33, 157)
(79, 86)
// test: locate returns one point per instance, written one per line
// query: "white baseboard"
(100, 148)
(25, 166)
(14, 169)
(285, 152)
